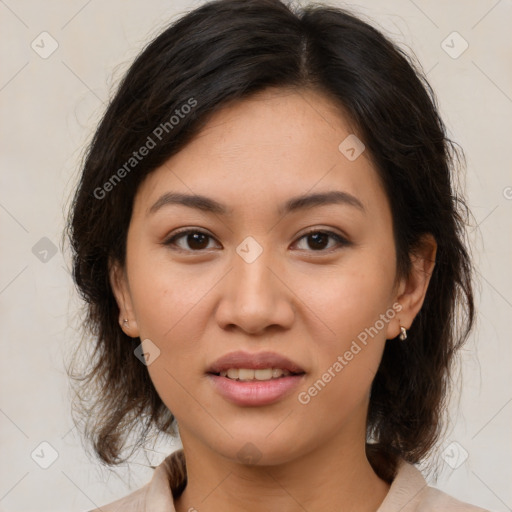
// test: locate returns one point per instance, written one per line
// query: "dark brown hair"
(224, 51)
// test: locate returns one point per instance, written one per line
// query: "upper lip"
(258, 360)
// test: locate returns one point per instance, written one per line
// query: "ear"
(119, 283)
(412, 289)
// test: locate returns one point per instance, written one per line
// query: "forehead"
(267, 148)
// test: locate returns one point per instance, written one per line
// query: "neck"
(320, 480)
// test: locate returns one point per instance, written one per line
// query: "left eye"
(197, 241)
(317, 240)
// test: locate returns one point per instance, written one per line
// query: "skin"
(306, 303)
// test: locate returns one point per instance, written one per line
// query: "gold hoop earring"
(403, 334)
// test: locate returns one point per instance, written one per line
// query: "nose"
(255, 296)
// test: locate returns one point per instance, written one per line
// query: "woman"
(272, 257)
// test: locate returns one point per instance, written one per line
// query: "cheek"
(164, 295)
(352, 296)
(167, 307)
(354, 303)
(169, 303)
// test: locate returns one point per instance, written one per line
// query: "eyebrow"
(303, 202)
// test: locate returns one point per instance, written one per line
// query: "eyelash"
(342, 242)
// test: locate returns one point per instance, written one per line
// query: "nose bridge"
(254, 280)
(255, 297)
(253, 274)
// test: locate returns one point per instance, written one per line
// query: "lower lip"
(255, 392)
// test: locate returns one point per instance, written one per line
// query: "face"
(266, 280)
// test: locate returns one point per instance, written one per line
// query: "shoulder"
(410, 492)
(434, 499)
(134, 502)
(168, 478)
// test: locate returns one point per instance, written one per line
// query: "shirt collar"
(168, 482)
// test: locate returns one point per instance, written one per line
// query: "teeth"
(244, 374)
(250, 374)
(233, 373)
(265, 374)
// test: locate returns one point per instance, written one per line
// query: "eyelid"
(185, 231)
(342, 240)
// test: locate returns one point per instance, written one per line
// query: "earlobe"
(413, 288)
(119, 284)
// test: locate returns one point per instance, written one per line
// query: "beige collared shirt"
(409, 492)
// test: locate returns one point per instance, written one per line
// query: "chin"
(260, 449)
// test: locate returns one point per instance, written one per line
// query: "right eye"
(196, 240)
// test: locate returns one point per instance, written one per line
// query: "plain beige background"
(50, 105)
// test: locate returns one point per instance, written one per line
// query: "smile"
(248, 374)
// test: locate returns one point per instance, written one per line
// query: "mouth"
(258, 366)
(254, 379)
(260, 374)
